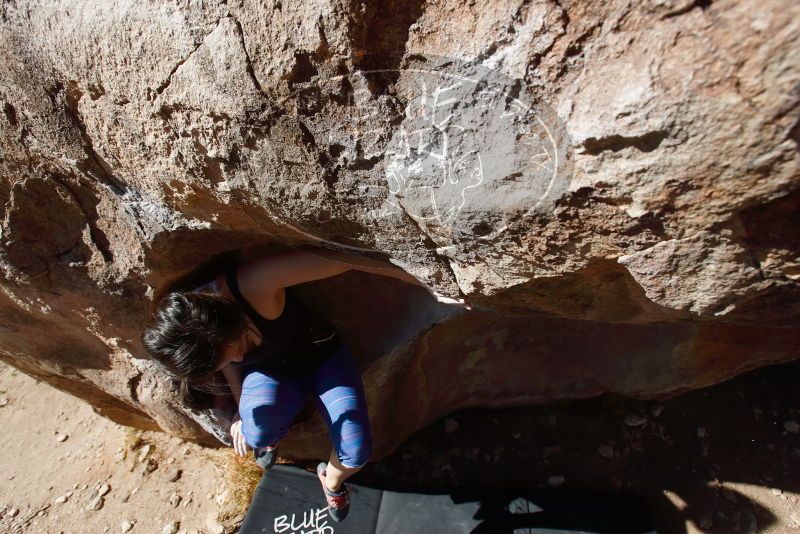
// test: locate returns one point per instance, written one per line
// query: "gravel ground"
(65, 469)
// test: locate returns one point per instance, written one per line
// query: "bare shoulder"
(266, 301)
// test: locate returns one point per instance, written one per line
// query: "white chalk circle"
(451, 151)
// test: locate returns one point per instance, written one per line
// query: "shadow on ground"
(722, 459)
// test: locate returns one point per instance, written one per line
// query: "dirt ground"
(65, 469)
(724, 459)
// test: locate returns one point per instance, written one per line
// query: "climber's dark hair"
(186, 334)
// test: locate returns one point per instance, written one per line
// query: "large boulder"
(625, 217)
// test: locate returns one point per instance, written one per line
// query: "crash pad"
(289, 500)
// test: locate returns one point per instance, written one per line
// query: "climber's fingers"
(239, 445)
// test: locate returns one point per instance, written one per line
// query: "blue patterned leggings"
(269, 404)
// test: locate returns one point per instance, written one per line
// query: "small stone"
(776, 491)
(795, 517)
(3, 401)
(13, 512)
(791, 426)
(174, 475)
(701, 432)
(634, 420)
(61, 438)
(174, 500)
(516, 435)
(62, 499)
(214, 526)
(125, 526)
(656, 410)
(96, 503)
(171, 527)
(450, 425)
(103, 490)
(119, 450)
(606, 451)
(144, 452)
(555, 480)
(150, 466)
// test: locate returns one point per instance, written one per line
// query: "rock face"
(635, 229)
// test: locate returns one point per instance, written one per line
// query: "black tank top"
(293, 344)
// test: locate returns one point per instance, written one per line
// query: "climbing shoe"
(338, 501)
(266, 456)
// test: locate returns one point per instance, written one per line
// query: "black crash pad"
(289, 500)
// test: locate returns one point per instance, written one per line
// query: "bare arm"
(265, 277)
(383, 268)
(286, 268)
(233, 375)
(363, 263)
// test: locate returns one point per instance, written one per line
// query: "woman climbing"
(249, 324)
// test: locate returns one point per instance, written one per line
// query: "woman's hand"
(407, 277)
(239, 445)
(461, 303)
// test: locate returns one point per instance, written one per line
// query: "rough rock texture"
(143, 147)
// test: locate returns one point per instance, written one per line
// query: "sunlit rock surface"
(143, 148)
